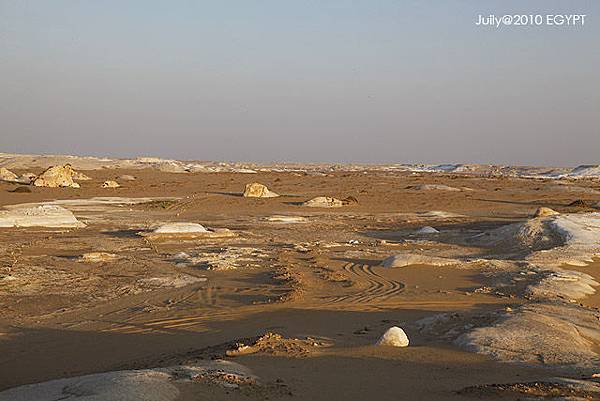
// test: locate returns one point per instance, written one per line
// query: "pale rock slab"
(39, 216)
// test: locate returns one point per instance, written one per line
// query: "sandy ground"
(158, 303)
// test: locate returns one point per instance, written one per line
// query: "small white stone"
(394, 337)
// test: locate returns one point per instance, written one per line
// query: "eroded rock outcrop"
(257, 190)
(57, 176)
(7, 175)
(110, 184)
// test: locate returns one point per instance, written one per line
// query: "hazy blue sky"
(267, 80)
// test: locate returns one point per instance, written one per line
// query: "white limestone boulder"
(180, 228)
(257, 190)
(57, 176)
(394, 337)
(184, 230)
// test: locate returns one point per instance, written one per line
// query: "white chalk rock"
(110, 184)
(176, 228)
(257, 190)
(323, 201)
(57, 176)
(38, 216)
(394, 337)
(7, 175)
(427, 230)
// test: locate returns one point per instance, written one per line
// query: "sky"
(370, 81)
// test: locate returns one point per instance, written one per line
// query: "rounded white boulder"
(394, 337)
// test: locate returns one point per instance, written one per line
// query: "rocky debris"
(57, 176)
(225, 258)
(394, 337)
(545, 212)
(38, 216)
(157, 384)
(426, 230)
(276, 344)
(553, 389)
(95, 257)
(7, 175)
(110, 184)
(187, 230)
(350, 200)
(582, 203)
(257, 190)
(407, 259)
(323, 201)
(26, 178)
(127, 177)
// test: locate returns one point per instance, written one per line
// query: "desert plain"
(160, 280)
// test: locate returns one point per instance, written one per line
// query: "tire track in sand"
(378, 288)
